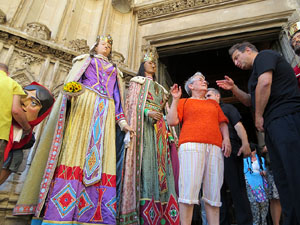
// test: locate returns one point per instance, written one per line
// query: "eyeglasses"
(202, 80)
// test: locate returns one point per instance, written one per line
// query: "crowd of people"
(103, 159)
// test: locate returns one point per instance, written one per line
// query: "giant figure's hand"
(128, 128)
(155, 115)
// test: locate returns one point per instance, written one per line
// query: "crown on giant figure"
(107, 39)
(149, 56)
(295, 27)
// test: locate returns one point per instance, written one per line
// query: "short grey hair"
(217, 92)
(190, 81)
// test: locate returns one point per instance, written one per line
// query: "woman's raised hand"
(176, 91)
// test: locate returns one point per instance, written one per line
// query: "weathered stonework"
(38, 30)
(123, 6)
(79, 45)
(2, 17)
(171, 8)
(118, 59)
(35, 47)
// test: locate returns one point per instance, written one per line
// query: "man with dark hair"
(10, 95)
(233, 165)
(275, 97)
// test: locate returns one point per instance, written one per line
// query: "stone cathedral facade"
(39, 39)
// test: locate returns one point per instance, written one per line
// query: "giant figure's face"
(31, 105)
(103, 48)
(150, 67)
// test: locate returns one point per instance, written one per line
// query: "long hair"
(141, 71)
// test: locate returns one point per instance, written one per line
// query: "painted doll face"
(103, 48)
(150, 67)
(31, 105)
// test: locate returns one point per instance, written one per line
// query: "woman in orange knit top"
(203, 138)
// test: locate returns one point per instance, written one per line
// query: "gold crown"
(149, 56)
(294, 28)
(107, 39)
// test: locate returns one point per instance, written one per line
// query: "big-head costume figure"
(294, 36)
(37, 104)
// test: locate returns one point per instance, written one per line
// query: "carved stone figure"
(79, 45)
(38, 30)
(118, 59)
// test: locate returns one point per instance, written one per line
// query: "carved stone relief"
(23, 77)
(174, 7)
(118, 59)
(38, 30)
(35, 47)
(23, 66)
(2, 17)
(79, 45)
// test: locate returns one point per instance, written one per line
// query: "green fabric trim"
(146, 111)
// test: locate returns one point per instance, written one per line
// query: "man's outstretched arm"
(228, 84)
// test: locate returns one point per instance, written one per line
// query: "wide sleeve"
(119, 113)
(131, 103)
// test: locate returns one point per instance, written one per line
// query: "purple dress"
(83, 189)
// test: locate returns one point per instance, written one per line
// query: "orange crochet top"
(200, 121)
